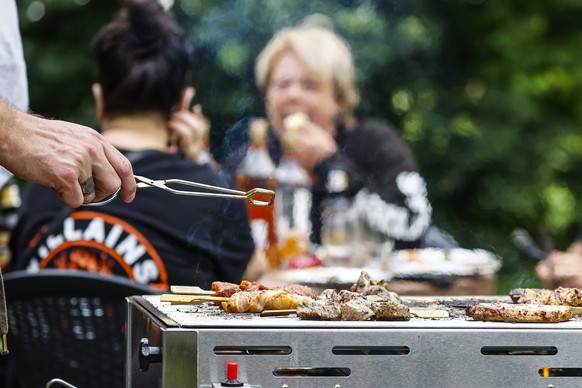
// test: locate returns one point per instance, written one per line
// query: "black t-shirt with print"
(159, 239)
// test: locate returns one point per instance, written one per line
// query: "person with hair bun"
(142, 98)
(309, 69)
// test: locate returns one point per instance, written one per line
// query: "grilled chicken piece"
(258, 301)
(561, 296)
(507, 312)
(226, 289)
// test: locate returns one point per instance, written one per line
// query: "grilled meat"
(388, 310)
(353, 306)
(356, 309)
(367, 285)
(226, 289)
(261, 300)
(561, 296)
(319, 310)
(507, 312)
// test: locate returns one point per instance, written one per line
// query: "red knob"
(232, 371)
(231, 376)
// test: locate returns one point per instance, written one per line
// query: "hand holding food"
(312, 143)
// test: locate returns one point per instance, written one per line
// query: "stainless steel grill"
(196, 342)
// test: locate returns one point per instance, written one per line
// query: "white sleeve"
(406, 223)
(13, 81)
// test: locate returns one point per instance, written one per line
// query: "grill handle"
(148, 354)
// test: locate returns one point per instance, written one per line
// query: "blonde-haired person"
(310, 69)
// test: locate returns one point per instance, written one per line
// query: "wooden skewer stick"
(190, 290)
(428, 313)
(275, 313)
(189, 299)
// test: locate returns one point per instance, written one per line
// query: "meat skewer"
(190, 299)
(508, 312)
(561, 296)
(261, 300)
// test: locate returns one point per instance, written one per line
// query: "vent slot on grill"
(370, 350)
(519, 350)
(312, 372)
(560, 372)
(253, 350)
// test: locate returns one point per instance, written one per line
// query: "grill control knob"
(148, 354)
(231, 376)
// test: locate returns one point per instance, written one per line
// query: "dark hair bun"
(143, 59)
(149, 24)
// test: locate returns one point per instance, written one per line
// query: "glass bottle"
(258, 170)
(293, 203)
(339, 228)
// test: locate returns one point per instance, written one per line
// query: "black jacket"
(383, 181)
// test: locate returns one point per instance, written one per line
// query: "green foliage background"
(485, 92)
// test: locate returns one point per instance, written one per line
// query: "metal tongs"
(143, 183)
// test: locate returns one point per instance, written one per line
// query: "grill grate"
(210, 315)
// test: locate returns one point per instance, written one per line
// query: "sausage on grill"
(561, 296)
(507, 312)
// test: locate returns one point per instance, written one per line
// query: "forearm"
(8, 120)
(28, 146)
(576, 248)
(561, 269)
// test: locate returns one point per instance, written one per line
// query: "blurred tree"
(484, 91)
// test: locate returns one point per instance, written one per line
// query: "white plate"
(458, 261)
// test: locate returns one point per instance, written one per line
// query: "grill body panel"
(285, 351)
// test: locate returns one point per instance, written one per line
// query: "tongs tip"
(259, 191)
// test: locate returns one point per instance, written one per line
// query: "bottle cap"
(258, 130)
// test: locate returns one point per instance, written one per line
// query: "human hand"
(188, 132)
(63, 156)
(312, 144)
(561, 269)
